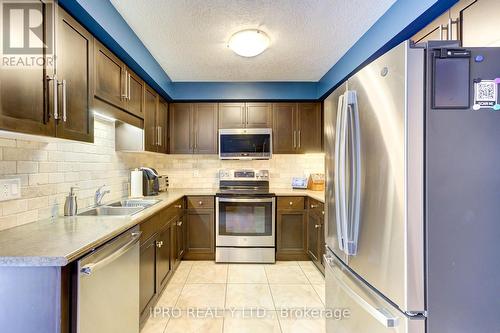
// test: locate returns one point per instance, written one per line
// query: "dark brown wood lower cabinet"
(316, 233)
(200, 234)
(147, 277)
(291, 235)
(163, 265)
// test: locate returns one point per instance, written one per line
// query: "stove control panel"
(243, 174)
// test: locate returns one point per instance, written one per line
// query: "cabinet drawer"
(152, 225)
(200, 202)
(315, 207)
(290, 203)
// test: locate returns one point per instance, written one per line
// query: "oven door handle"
(219, 199)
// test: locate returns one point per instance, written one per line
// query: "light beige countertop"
(59, 241)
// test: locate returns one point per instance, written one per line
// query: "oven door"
(245, 222)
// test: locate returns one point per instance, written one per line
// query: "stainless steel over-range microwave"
(245, 144)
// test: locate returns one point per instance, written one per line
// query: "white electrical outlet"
(10, 189)
(196, 173)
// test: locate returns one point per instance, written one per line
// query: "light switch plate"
(10, 189)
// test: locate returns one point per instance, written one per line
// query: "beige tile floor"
(203, 296)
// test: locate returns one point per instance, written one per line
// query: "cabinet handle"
(322, 212)
(314, 206)
(200, 203)
(179, 223)
(299, 138)
(178, 206)
(55, 85)
(291, 203)
(124, 87)
(128, 86)
(294, 139)
(317, 226)
(64, 114)
(159, 244)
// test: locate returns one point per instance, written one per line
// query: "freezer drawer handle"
(382, 315)
(89, 268)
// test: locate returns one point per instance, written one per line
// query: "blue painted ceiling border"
(401, 21)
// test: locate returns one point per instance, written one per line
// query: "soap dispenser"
(70, 205)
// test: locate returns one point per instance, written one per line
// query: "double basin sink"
(121, 208)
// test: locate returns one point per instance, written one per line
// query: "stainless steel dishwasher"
(108, 287)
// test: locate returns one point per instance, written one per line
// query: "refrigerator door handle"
(337, 175)
(352, 228)
(381, 314)
(343, 165)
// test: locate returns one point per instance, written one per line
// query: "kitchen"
(250, 188)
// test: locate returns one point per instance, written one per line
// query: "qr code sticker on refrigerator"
(486, 91)
(485, 94)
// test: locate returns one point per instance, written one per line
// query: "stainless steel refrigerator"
(412, 146)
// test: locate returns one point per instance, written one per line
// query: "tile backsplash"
(48, 169)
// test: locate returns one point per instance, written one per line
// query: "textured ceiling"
(188, 38)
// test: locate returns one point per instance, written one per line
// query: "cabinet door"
(181, 236)
(313, 224)
(135, 102)
(200, 234)
(150, 129)
(174, 241)
(231, 115)
(162, 126)
(291, 236)
(479, 21)
(163, 266)
(258, 115)
(284, 128)
(74, 65)
(109, 78)
(205, 125)
(321, 241)
(180, 133)
(309, 129)
(24, 91)
(147, 278)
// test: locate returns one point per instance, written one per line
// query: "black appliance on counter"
(150, 183)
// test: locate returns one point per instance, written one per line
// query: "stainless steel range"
(245, 217)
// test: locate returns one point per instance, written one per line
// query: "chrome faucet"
(99, 194)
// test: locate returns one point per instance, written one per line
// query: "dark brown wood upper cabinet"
(150, 129)
(205, 128)
(180, 133)
(284, 128)
(245, 115)
(24, 94)
(28, 100)
(155, 122)
(75, 51)
(297, 128)
(135, 94)
(309, 127)
(258, 115)
(231, 115)
(193, 128)
(110, 77)
(162, 124)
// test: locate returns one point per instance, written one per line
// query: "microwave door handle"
(336, 177)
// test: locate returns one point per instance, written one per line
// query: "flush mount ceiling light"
(249, 43)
